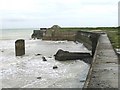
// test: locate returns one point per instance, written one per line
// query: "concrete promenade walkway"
(104, 70)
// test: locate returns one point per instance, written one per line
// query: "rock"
(38, 54)
(76, 42)
(49, 57)
(44, 59)
(38, 77)
(55, 67)
(82, 81)
(2, 51)
(93, 77)
(98, 84)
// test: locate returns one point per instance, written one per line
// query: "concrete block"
(20, 47)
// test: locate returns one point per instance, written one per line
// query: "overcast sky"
(66, 13)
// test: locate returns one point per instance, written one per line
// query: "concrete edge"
(90, 70)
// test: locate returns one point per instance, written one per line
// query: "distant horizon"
(61, 27)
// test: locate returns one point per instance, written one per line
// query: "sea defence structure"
(89, 39)
(39, 33)
(53, 33)
(103, 72)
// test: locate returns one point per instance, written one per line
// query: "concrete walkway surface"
(104, 70)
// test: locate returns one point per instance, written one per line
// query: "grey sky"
(66, 13)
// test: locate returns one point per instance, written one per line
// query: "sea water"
(30, 71)
(7, 34)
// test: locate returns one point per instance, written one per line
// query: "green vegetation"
(113, 33)
(114, 37)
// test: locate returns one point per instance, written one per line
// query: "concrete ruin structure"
(62, 55)
(38, 33)
(38, 68)
(20, 47)
(53, 33)
(103, 72)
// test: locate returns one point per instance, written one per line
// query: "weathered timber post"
(20, 47)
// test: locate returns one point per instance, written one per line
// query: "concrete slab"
(30, 71)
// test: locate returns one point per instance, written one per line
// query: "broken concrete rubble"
(66, 55)
(44, 59)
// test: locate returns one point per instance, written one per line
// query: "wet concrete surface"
(30, 71)
(104, 70)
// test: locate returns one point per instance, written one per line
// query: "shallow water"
(22, 72)
(11, 34)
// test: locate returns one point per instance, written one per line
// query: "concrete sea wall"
(103, 72)
(55, 35)
(89, 39)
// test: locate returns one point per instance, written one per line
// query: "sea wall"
(103, 72)
(89, 39)
(37, 34)
(57, 35)
(103, 56)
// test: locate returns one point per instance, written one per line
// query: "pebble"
(82, 81)
(37, 54)
(38, 77)
(93, 77)
(44, 59)
(55, 67)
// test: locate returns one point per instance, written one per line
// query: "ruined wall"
(59, 35)
(84, 38)
(37, 34)
(89, 39)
